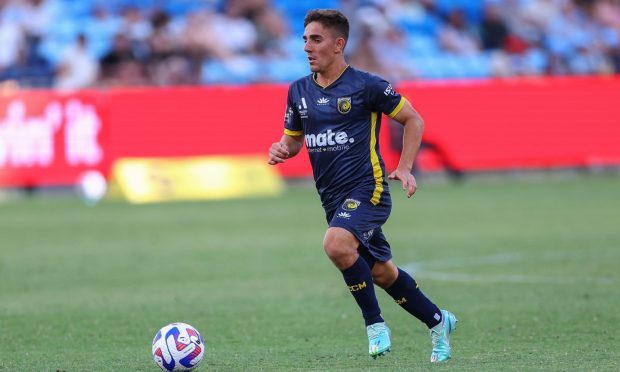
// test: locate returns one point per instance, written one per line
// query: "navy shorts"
(356, 214)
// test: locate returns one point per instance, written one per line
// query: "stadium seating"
(101, 20)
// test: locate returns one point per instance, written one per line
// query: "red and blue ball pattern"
(178, 347)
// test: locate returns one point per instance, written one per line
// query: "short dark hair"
(329, 18)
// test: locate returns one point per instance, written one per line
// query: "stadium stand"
(76, 44)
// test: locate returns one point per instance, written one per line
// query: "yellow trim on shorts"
(398, 107)
(374, 159)
(293, 133)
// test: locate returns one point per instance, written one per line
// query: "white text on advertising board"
(28, 140)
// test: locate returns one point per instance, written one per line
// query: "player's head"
(326, 32)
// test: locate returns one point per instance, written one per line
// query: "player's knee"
(339, 251)
(335, 250)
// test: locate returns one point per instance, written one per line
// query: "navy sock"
(406, 293)
(359, 280)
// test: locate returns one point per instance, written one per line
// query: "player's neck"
(331, 74)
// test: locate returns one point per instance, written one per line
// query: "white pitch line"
(461, 262)
(495, 278)
(429, 269)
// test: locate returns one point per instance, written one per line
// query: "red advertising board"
(522, 123)
(48, 138)
(219, 120)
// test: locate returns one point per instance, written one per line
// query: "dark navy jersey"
(340, 124)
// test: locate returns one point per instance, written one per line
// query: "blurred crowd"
(72, 44)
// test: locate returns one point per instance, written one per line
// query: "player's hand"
(405, 176)
(278, 152)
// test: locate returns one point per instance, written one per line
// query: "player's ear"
(340, 43)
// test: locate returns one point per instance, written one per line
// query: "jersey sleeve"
(292, 119)
(382, 97)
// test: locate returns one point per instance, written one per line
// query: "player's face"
(320, 45)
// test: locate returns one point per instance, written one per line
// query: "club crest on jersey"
(344, 105)
(350, 204)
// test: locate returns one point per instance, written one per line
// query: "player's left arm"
(412, 138)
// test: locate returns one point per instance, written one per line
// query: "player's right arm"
(293, 139)
(288, 147)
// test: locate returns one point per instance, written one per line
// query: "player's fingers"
(405, 182)
(413, 186)
(278, 151)
(273, 160)
(392, 176)
(282, 148)
(411, 190)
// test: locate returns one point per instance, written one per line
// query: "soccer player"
(336, 112)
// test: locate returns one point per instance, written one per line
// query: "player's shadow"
(453, 172)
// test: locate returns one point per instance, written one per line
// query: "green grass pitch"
(530, 267)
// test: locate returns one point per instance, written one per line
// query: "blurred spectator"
(134, 25)
(101, 29)
(493, 28)
(122, 64)
(574, 42)
(607, 14)
(377, 38)
(363, 56)
(458, 36)
(270, 30)
(539, 12)
(35, 16)
(174, 70)
(236, 31)
(198, 36)
(77, 68)
(162, 40)
(170, 61)
(11, 39)
(28, 70)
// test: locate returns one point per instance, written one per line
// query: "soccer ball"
(178, 347)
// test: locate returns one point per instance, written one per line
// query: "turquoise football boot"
(378, 339)
(440, 335)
